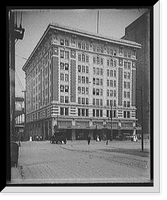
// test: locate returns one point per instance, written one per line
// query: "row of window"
(98, 48)
(126, 75)
(64, 99)
(97, 102)
(111, 102)
(83, 58)
(126, 94)
(126, 103)
(97, 71)
(97, 60)
(64, 77)
(126, 84)
(83, 79)
(97, 91)
(83, 69)
(97, 113)
(64, 66)
(82, 100)
(64, 88)
(111, 83)
(66, 54)
(97, 81)
(111, 73)
(111, 93)
(83, 90)
(83, 112)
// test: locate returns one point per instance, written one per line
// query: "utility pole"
(111, 137)
(142, 144)
(24, 114)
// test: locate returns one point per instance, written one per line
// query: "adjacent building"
(19, 117)
(80, 82)
(139, 31)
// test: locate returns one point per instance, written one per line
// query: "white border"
(156, 187)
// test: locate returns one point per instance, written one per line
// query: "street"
(78, 162)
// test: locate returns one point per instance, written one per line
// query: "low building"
(79, 82)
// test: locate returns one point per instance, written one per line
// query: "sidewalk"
(127, 147)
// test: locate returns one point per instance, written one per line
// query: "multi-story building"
(139, 31)
(75, 80)
(19, 118)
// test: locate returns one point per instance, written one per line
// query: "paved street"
(78, 162)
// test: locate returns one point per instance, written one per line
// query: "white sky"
(112, 23)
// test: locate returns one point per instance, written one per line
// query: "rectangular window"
(61, 54)
(79, 90)
(108, 72)
(94, 70)
(61, 76)
(93, 112)
(97, 113)
(66, 111)
(73, 54)
(66, 54)
(87, 80)
(79, 45)
(94, 60)
(78, 111)
(97, 102)
(79, 79)
(79, 57)
(97, 91)
(83, 79)
(97, 81)
(83, 100)
(94, 81)
(101, 92)
(101, 61)
(87, 90)
(108, 62)
(83, 90)
(61, 99)
(66, 66)
(83, 58)
(61, 111)
(87, 101)
(87, 58)
(120, 62)
(108, 93)
(94, 91)
(87, 69)
(61, 88)
(97, 60)
(124, 114)
(101, 102)
(101, 113)
(128, 114)
(111, 83)
(61, 42)
(83, 68)
(61, 66)
(93, 101)
(107, 102)
(79, 100)
(79, 68)
(66, 88)
(83, 112)
(87, 113)
(66, 77)
(66, 99)
(66, 42)
(107, 82)
(124, 103)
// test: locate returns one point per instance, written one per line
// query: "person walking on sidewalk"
(89, 139)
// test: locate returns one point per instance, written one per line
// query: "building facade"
(75, 81)
(139, 31)
(19, 118)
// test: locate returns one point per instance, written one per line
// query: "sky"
(112, 23)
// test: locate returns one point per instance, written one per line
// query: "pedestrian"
(88, 140)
